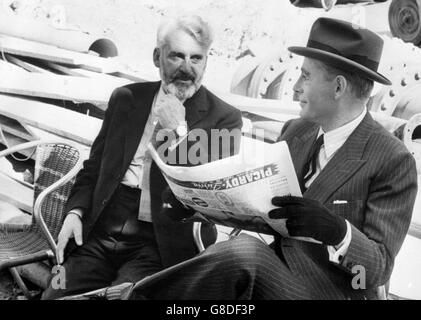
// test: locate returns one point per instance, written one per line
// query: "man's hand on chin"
(170, 111)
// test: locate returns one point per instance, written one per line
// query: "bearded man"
(117, 229)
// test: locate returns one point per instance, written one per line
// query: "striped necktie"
(309, 168)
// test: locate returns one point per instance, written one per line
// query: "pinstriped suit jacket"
(375, 173)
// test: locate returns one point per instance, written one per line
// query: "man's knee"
(246, 251)
(52, 293)
(57, 284)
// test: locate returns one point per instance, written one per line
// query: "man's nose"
(297, 91)
(186, 66)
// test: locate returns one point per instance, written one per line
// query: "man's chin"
(182, 91)
(303, 113)
(308, 116)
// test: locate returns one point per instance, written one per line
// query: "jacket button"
(104, 202)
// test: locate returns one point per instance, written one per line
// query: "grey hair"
(193, 25)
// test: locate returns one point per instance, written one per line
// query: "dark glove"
(177, 211)
(309, 218)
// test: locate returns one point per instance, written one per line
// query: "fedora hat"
(345, 46)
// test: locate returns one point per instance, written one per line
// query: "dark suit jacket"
(113, 151)
(374, 172)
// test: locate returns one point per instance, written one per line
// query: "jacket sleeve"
(387, 218)
(83, 189)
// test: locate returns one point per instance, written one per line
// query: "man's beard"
(182, 91)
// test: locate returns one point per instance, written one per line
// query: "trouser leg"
(242, 268)
(87, 268)
(140, 261)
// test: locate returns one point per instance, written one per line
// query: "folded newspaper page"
(237, 191)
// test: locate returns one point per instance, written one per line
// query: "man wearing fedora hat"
(358, 181)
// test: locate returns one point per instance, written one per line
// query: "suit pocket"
(351, 211)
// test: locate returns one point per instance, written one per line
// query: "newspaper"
(237, 191)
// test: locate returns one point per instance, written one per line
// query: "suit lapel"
(196, 107)
(137, 118)
(343, 165)
(300, 147)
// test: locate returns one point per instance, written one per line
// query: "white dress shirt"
(333, 140)
(134, 174)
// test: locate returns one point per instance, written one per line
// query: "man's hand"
(309, 218)
(170, 111)
(72, 228)
(174, 208)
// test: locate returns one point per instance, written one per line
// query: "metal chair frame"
(12, 262)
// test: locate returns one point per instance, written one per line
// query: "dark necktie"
(309, 168)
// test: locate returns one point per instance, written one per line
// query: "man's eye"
(196, 59)
(176, 56)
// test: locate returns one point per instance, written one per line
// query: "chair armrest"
(34, 257)
(197, 235)
(197, 227)
(17, 148)
(118, 292)
(9, 227)
(63, 180)
(20, 147)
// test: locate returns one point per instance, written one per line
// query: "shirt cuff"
(77, 211)
(337, 253)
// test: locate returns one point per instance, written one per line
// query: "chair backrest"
(52, 162)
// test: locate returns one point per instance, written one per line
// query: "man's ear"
(340, 86)
(156, 55)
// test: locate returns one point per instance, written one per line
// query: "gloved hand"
(174, 208)
(309, 218)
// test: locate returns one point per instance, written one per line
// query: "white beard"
(182, 92)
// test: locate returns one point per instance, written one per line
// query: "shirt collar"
(334, 139)
(158, 95)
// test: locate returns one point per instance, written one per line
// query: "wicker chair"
(56, 164)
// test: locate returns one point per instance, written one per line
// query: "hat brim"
(340, 62)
